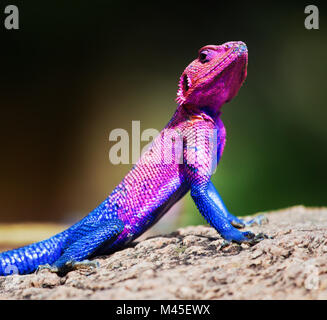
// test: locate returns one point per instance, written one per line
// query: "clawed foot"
(256, 221)
(254, 238)
(70, 266)
(247, 237)
(48, 267)
(85, 264)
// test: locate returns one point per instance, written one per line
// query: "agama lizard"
(154, 184)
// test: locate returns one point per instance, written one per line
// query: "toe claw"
(225, 244)
(249, 234)
(48, 267)
(259, 237)
(237, 224)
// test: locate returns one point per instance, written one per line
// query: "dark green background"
(75, 70)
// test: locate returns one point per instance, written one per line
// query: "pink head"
(214, 77)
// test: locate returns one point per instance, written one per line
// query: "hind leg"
(89, 238)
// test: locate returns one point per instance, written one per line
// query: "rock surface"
(190, 264)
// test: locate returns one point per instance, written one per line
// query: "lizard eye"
(203, 56)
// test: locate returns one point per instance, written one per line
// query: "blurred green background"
(75, 70)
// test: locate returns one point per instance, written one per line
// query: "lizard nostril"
(227, 46)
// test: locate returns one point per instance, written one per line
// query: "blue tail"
(27, 259)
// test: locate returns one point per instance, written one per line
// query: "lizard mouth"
(184, 85)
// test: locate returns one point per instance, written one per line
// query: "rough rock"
(190, 264)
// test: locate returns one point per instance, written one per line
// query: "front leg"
(199, 154)
(216, 216)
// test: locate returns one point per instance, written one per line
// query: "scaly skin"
(181, 159)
